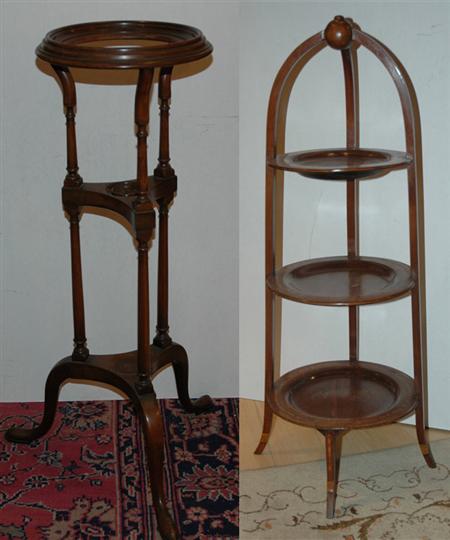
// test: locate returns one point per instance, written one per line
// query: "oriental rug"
(86, 480)
(388, 495)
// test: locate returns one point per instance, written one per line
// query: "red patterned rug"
(86, 480)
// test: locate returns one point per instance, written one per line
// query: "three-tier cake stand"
(336, 396)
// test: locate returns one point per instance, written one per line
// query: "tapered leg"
(269, 371)
(333, 445)
(21, 435)
(267, 427)
(154, 438)
(162, 338)
(144, 384)
(422, 437)
(180, 366)
(80, 351)
(422, 434)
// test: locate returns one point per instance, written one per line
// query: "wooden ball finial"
(338, 33)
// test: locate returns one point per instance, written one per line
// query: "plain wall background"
(36, 310)
(418, 33)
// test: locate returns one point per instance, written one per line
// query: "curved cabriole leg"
(422, 434)
(267, 426)
(422, 437)
(269, 370)
(154, 437)
(180, 364)
(55, 379)
(333, 445)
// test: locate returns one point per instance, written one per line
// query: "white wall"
(35, 297)
(418, 33)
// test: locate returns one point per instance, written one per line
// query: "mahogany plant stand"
(160, 45)
(337, 396)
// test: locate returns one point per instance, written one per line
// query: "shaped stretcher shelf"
(342, 281)
(341, 163)
(344, 395)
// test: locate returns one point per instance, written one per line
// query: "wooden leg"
(143, 384)
(267, 426)
(80, 351)
(333, 445)
(269, 371)
(422, 435)
(154, 438)
(54, 380)
(162, 338)
(180, 366)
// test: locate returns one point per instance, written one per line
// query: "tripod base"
(333, 445)
(120, 371)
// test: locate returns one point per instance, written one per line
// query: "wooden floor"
(290, 443)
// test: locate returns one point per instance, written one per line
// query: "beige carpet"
(388, 495)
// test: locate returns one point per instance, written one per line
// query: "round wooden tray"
(344, 394)
(123, 44)
(342, 281)
(342, 163)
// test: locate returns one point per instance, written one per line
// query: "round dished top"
(123, 45)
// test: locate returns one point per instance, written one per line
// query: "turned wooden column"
(163, 171)
(73, 180)
(142, 202)
(133, 201)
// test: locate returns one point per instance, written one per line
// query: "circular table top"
(342, 163)
(344, 395)
(123, 45)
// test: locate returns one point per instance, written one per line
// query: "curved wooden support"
(164, 168)
(73, 179)
(119, 371)
(266, 429)
(55, 379)
(421, 409)
(271, 333)
(142, 104)
(411, 119)
(154, 437)
(275, 136)
(180, 364)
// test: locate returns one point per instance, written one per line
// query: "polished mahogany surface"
(344, 395)
(338, 396)
(123, 44)
(144, 203)
(341, 163)
(342, 281)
